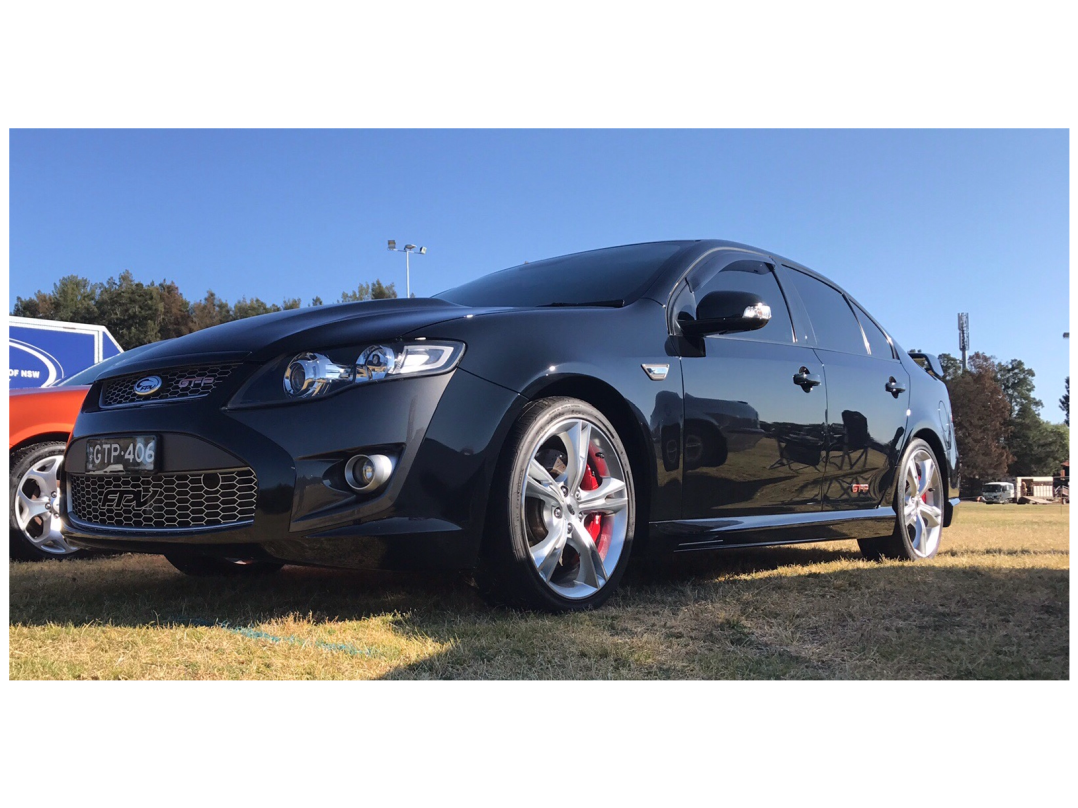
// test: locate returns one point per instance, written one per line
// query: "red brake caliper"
(594, 521)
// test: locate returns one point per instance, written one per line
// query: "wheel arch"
(629, 423)
(933, 440)
(930, 437)
(42, 437)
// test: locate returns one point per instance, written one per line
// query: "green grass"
(994, 604)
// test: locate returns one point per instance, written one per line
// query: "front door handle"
(894, 387)
(805, 380)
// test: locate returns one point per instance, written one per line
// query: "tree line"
(136, 313)
(997, 421)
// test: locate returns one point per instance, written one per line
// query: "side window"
(877, 341)
(749, 276)
(832, 318)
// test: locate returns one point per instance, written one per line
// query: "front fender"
(596, 354)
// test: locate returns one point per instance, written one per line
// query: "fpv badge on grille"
(147, 385)
(129, 498)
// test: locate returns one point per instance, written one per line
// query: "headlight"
(310, 374)
(375, 363)
(414, 359)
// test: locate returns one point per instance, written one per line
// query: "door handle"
(894, 387)
(805, 380)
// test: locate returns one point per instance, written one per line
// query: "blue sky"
(917, 224)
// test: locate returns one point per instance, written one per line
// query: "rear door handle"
(805, 380)
(894, 387)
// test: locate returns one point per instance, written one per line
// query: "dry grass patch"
(993, 605)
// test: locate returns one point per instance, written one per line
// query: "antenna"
(963, 338)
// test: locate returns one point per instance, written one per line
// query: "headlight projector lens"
(311, 374)
(374, 363)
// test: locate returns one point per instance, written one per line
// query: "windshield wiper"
(615, 304)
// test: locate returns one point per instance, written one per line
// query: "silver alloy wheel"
(575, 484)
(922, 503)
(37, 507)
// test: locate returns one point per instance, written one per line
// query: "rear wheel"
(35, 517)
(201, 566)
(563, 511)
(919, 503)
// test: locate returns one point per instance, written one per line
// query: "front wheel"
(919, 502)
(563, 511)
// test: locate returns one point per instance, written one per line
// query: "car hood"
(71, 389)
(267, 336)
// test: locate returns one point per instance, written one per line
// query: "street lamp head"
(422, 250)
(392, 244)
(409, 246)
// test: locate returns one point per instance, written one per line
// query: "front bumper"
(444, 432)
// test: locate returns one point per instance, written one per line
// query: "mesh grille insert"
(164, 501)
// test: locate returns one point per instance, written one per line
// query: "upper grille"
(190, 382)
(164, 501)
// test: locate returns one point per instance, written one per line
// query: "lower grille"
(164, 501)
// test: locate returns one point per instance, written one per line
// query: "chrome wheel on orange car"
(35, 494)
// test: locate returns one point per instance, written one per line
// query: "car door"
(867, 394)
(753, 438)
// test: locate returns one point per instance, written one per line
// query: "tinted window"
(832, 319)
(877, 340)
(613, 276)
(756, 277)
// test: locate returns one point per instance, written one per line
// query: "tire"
(34, 523)
(550, 543)
(201, 566)
(918, 518)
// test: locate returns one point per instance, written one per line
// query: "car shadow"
(140, 590)
(679, 567)
(787, 612)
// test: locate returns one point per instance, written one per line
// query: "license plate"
(119, 455)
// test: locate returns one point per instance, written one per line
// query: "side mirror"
(727, 312)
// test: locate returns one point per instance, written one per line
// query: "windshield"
(610, 277)
(90, 374)
(993, 488)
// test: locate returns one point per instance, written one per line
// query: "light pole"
(408, 248)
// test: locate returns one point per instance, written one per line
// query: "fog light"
(366, 473)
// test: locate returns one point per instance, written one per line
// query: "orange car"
(40, 421)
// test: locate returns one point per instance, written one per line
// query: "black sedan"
(538, 426)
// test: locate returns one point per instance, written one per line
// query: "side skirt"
(682, 536)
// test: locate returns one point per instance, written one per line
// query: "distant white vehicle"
(1034, 488)
(998, 492)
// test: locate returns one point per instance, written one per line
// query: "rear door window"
(877, 340)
